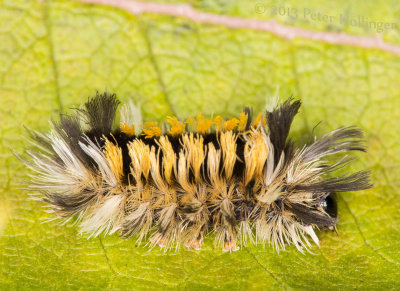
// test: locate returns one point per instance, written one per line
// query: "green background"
(54, 54)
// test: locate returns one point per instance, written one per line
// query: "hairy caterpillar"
(240, 178)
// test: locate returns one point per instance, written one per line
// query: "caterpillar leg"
(169, 231)
(194, 235)
(194, 244)
(226, 238)
(159, 240)
(230, 245)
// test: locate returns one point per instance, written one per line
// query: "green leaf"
(55, 54)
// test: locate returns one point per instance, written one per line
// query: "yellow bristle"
(140, 156)
(161, 185)
(191, 122)
(194, 151)
(257, 120)
(213, 160)
(250, 163)
(260, 119)
(255, 154)
(113, 155)
(152, 130)
(228, 146)
(128, 130)
(203, 124)
(219, 123)
(169, 158)
(166, 193)
(260, 150)
(177, 127)
(231, 124)
(242, 121)
(183, 172)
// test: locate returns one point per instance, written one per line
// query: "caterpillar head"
(295, 195)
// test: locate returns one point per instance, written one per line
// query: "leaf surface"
(55, 54)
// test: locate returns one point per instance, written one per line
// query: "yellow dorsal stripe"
(219, 123)
(231, 124)
(242, 121)
(200, 124)
(177, 127)
(260, 119)
(128, 130)
(203, 124)
(152, 130)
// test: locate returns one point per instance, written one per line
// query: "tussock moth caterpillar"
(173, 183)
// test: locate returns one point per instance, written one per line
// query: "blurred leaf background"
(54, 54)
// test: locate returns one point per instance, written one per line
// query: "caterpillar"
(173, 183)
